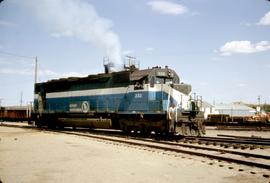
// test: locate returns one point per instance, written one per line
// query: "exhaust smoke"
(78, 19)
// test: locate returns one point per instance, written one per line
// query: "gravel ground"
(28, 155)
(211, 131)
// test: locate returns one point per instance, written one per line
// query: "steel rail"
(255, 138)
(120, 135)
(229, 140)
(172, 148)
(215, 149)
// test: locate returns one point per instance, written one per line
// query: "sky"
(221, 48)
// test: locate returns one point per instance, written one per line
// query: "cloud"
(53, 74)
(41, 73)
(241, 84)
(244, 47)
(7, 23)
(21, 67)
(247, 24)
(128, 52)
(265, 20)
(77, 19)
(203, 83)
(149, 50)
(15, 71)
(166, 7)
(195, 13)
(215, 58)
(62, 34)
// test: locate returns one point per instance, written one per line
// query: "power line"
(15, 55)
(23, 56)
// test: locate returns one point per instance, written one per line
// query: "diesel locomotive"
(129, 100)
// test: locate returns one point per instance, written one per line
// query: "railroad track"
(244, 137)
(232, 156)
(220, 154)
(249, 142)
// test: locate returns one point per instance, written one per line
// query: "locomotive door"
(127, 98)
(41, 101)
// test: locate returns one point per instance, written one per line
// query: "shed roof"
(232, 106)
(15, 108)
(206, 104)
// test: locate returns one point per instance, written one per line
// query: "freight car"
(130, 100)
(15, 113)
(227, 120)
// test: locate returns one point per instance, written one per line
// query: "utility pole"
(232, 113)
(201, 102)
(36, 69)
(194, 96)
(259, 105)
(21, 99)
(1, 102)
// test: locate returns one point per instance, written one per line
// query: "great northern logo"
(85, 106)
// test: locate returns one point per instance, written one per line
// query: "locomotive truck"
(129, 100)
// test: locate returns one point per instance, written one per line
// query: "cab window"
(138, 85)
(159, 80)
(168, 81)
(152, 82)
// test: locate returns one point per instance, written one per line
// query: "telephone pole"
(21, 99)
(1, 102)
(259, 104)
(36, 69)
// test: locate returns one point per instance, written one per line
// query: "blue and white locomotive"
(129, 100)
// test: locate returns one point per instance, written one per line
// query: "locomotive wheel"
(51, 126)
(37, 124)
(37, 121)
(143, 128)
(124, 128)
(193, 132)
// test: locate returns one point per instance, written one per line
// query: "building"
(207, 109)
(234, 109)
